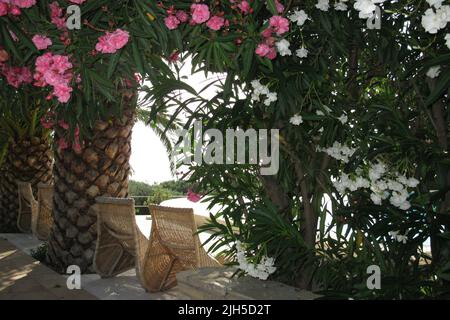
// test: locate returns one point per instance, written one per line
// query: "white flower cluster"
(283, 47)
(323, 5)
(382, 184)
(339, 152)
(436, 17)
(260, 89)
(261, 271)
(397, 236)
(300, 18)
(434, 72)
(366, 8)
(296, 120)
(341, 5)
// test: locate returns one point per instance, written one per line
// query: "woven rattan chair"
(174, 246)
(27, 204)
(116, 228)
(42, 216)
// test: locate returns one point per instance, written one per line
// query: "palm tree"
(25, 151)
(101, 108)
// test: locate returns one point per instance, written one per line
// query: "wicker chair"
(116, 228)
(27, 204)
(42, 216)
(174, 246)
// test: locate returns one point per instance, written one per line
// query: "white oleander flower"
(376, 199)
(434, 72)
(302, 52)
(340, 6)
(343, 119)
(366, 8)
(435, 3)
(433, 21)
(296, 120)
(271, 97)
(447, 40)
(376, 171)
(323, 5)
(402, 238)
(283, 47)
(299, 17)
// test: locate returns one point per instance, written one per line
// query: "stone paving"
(23, 278)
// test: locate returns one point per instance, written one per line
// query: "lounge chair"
(42, 218)
(173, 245)
(116, 229)
(27, 204)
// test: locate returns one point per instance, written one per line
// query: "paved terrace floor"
(23, 278)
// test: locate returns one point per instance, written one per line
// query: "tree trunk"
(100, 169)
(28, 160)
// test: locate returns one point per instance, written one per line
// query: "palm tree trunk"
(100, 169)
(28, 160)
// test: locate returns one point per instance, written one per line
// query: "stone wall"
(219, 284)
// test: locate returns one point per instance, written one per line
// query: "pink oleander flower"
(171, 22)
(23, 3)
(3, 9)
(41, 42)
(193, 197)
(272, 53)
(279, 6)
(216, 23)
(16, 76)
(62, 144)
(15, 11)
(182, 16)
(200, 13)
(262, 50)
(267, 33)
(279, 24)
(174, 57)
(63, 124)
(47, 121)
(78, 1)
(54, 70)
(244, 6)
(112, 41)
(57, 15)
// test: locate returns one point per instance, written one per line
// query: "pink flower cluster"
(57, 15)
(112, 41)
(54, 70)
(16, 76)
(277, 25)
(199, 14)
(41, 42)
(13, 6)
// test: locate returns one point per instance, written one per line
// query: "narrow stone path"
(24, 278)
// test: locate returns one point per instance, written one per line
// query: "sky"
(149, 159)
